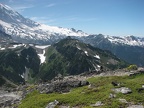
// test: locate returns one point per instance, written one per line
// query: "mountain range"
(16, 28)
(130, 49)
(25, 30)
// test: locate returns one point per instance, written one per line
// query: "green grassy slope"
(85, 96)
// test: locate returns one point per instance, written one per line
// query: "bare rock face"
(123, 90)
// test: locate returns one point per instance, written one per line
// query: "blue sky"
(109, 17)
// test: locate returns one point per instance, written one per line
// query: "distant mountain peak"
(25, 30)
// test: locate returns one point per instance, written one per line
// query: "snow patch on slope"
(43, 48)
(2, 48)
(78, 48)
(15, 46)
(42, 57)
(97, 56)
(86, 53)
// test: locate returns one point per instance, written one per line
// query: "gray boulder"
(112, 95)
(52, 104)
(61, 86)
(136, 106)
(98, 103)
(123, 100)
(123, 90)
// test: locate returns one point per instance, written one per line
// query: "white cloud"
(51, 5)
(22, 8)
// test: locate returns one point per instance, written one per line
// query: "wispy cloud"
(20, 5)
(10, 1)
(43, 20)
(22, 8)
(78, 19)
(51, 5)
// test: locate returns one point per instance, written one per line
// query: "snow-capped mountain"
(126, 40)
(128, 48)
(26, 30)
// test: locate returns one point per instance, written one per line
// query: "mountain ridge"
(71, 56)
(27, 62)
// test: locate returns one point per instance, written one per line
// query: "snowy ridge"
(14, 24)
(127, 40)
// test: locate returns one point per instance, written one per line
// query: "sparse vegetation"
(132, 67)
(99, 90)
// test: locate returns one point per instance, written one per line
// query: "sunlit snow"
(42, 46)
(15, 46)
(2, 48)
(78, 48)
(42, 57)
(86, 53)
(97, 56)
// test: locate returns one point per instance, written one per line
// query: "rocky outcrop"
(8, 99)
(61, 86)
